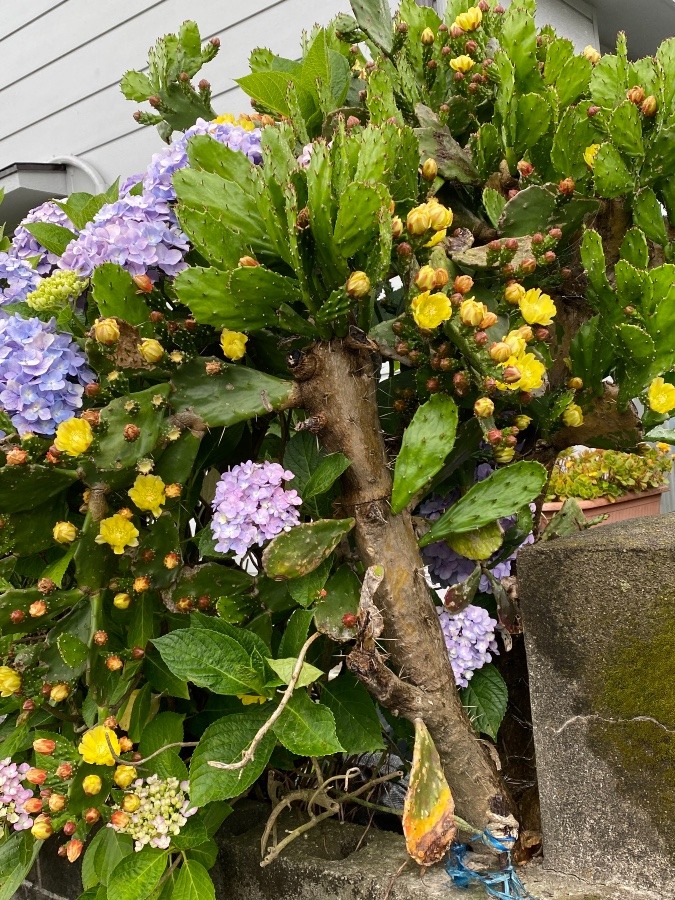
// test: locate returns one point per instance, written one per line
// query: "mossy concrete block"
(599, 616)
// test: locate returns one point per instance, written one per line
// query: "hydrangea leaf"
(485, 700)
(307, 728)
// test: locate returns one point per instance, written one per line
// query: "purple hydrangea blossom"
(137, 233)
(158, 178)
(251, 506)
(42, 374)
(13, 795)
(17, 279)
(470, 640)
(25, 246)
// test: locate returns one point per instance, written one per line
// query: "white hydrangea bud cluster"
(55, 292)
(153, 811)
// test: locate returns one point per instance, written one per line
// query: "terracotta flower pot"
(630, 506)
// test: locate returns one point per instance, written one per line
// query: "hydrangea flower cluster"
(470, 640)
(251, 506)
(160, 811)
(13, 795)
(25, 246)
(447, 567)
(56, 291)
(158, 178)
(42, 374)
(138, 233)
(17, 279)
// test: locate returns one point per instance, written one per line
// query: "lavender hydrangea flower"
(251, 506)
(13, 795)
(470, 640)
(137, 233)
(158, 178)
(42, 374)
(25, 246)
(163, 810)
(18, 279)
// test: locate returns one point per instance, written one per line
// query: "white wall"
(61, 62)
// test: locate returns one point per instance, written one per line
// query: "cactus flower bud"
(425, 279)
(151, 350)
(499, 352)
(92, 785)
(119, 819)
(57, 802)
(636, 94)
(417, 221)
(504, 455)
(525, 168)
(91, 815)
(17, 616)
(575, 384)
(555, 233)
(106, 331)
(462, 284)
(441, 277)
(427, 37)
(592, 111)
(429, 169)
(124, 775)
(65, 770)
(100, 638)
(42, 828)
(16, 457)
(92, 390)
(46, 586)
(36, 776)
(511, 374)
(69, 828)
(549, 257)
(396, 227)
(126, 744)
(591, 54)
(142, 583)
(649, 106)
(494, 436)
(122, 601)
(567, 186)
(573, 416)
(64, 532)
(37, 609)
(32, 806)
(472, 312)
(488, 320)
(59, 693)
(460, 383)
(130, 803)
(404, 249)
(528, 265)
(481, 338)
(114, 663)
(143, 283)
(46, 746)
(522, 422)
(131, 432)
(483, 407)
(358, 285)
(73, 850)
(542, 334)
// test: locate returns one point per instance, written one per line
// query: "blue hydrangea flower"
(42, 374)
(25, 246)
(251, 506)
(469, 639)
(138, 233)
(17, 279)
(158, 178)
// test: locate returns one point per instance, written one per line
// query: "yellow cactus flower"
(515, 342)
(462, 63)
(10, 681)
(148, 493)
(151, 350)
(514, 293)
(94, 749)
(358, 285)
(249, 699)
(504, 455)
(64, 532)
(591, 54)
(531, 369)
(118, 532)
(124, 775)
(573, 416)
(418, 220)
(233, 343)
(228, 119)
(92, 785)
(483, 407)
(106, 331)
(74, 437)
(469, 20)
(661, 396)
(437, 238)
(425, 279)
(537, 308)
(440, 217)
(590, 153)
(431, 310)
(472, 312)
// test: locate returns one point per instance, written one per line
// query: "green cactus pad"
(24, 487)
(426, 443)
(299, 551)
(116, 294)
(342, 598)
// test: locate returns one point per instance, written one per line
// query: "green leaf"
(325, 475)
(302, 456)
(374, 18)
(18, 852)
(532, 116)
(225, 741)
(209, 659)
(305, 590)
(57, 570)
(103, 853)
(357, 724)
(136, 876)
(296, 632)
(116, 294)
(136, 86)
(54, 238)
(284, 669)
(234, 394)
(426, 443)
(193, 883)
(625, 129)
(519, 40)
(480, 543)
(485, 700)
(609, 81)
(494, 204)
(24, 487)
(299, 551)
(342, 596)
(648, 215)
(162, 678)
(661, 433)
(166, 728)
(306, 728)
(501, 494)
(612, 178)
(72, 650)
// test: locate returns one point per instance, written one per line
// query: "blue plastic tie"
(502, 885)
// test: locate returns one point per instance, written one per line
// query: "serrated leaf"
(284, 669)
(329, 469)
(295, 634)
(306, 728)
(54, 238)
(357, 724)
(485, 700)
(426, 443)
(103, 853)
(136, 876)
(193, 883)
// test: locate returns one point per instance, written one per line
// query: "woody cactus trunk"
(279, 413)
